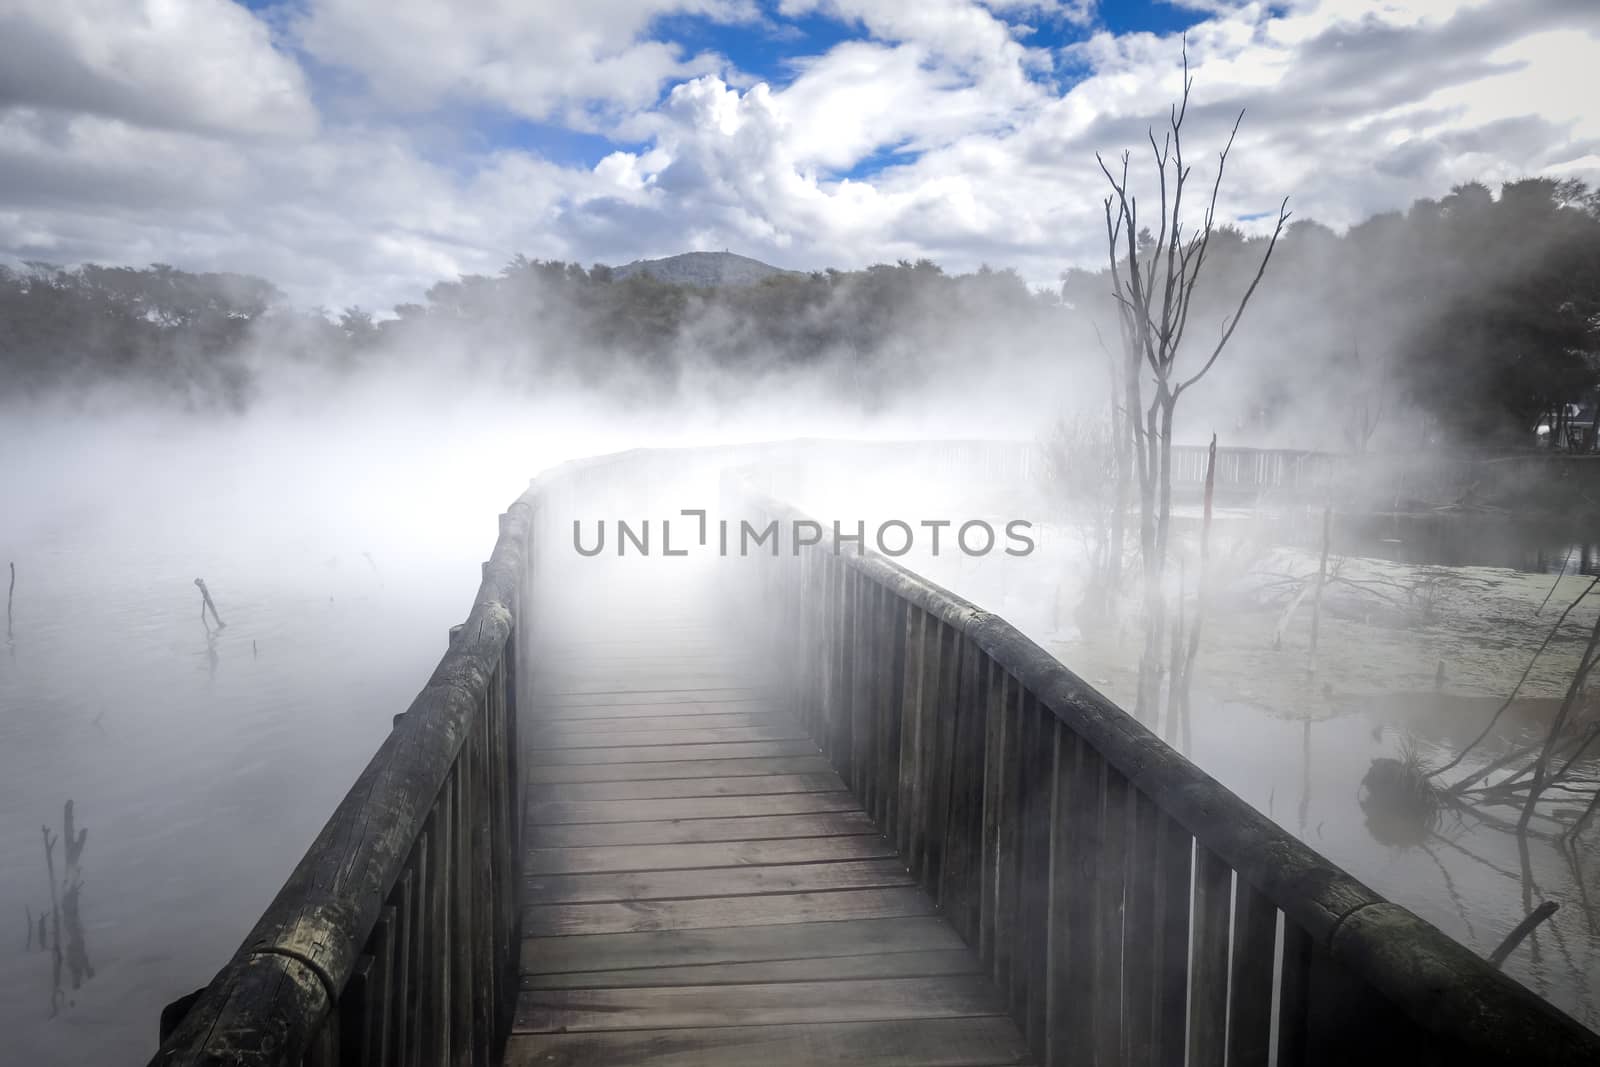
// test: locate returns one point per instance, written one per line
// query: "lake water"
(1298, 754)
(1296, 748)
(339, 551)
(202, 763)
(340, 540)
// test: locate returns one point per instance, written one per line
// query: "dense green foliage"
(1467, 318)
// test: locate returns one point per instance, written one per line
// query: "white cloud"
(198, 64)
(1076, 11)
(540, 61)
(1353, 107)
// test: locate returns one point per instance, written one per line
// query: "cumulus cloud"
(1351, 109)
(195, 64)
(947, 129)
(581, 63)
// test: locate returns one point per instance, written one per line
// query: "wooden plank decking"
(701, 890)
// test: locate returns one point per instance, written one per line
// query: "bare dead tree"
(1154, 293)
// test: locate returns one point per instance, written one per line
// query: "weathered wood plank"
(669, 752)
(662, 789)
(1038, 938)
(958, 890)
(1075, 995)
(554, 812)
(1294, 996)
(1008, 861)
(951, 996)
(640, 772)
(715, 881)
(1208, 990)
(630, 684)
(908, 813)
(891, 700)
(551, 698)
(541, 861)
(770, 910)
(1255, 938)
(565, 728)
(940, 700)
(1141, 962)
(815, 969)
(576, 739)
(736, 944)
(1110, 883)
(1175, 850)
(750, 828)
(657, 645)
(980, 1041)
(653, 709)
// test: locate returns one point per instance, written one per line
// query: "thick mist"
(335, 483)
(338, 521)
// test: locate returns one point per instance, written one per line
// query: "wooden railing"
(1257, 470)
(395, 940)
(1131, 908)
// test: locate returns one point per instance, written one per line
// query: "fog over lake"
(1277, 326)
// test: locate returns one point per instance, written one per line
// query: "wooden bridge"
(801, 808)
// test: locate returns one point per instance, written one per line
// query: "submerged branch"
(1523, 929)
(206, 602)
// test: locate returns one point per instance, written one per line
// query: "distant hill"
(703, 269)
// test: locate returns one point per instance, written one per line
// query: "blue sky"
(357, 151)
(768, 49)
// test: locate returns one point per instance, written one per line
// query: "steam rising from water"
(339, 525)
(339, 522)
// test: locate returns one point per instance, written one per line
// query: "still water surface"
(200, 762)
(1301, 761)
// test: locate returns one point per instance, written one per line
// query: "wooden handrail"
(1132, 908)
(395, 939)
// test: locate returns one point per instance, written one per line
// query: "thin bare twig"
(1559, 575)
(1586, 664)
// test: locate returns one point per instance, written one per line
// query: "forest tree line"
(1470, 318)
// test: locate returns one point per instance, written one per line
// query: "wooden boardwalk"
(701, 890)
(597, 836)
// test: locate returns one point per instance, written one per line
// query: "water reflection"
(64, 921)
(1535, 545)
(1573, 559)
(1399, 805)
(211, 647)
